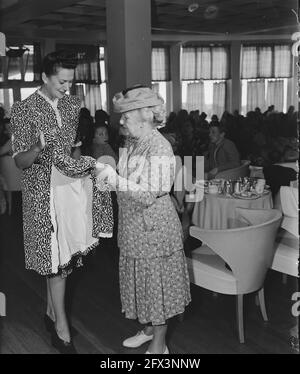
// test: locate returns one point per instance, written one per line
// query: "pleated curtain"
(282, 61)
(219, 98)
(195, 96)
(255, 95)
(220, 65)
(160, 64)
(266, 62)
(275, 91)
(90, 95)
(155, 87)
(188, 64)
(249, 62)
(265, 67)
(204, 63)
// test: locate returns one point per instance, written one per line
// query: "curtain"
(195, 96)
(282, 61)
(275, 94)
(203, 63)
(79, 91)
(249, 62)
(155, 87)
(219, 63)
(88, 68)
(160, 64)
(219, 97)
(90, 96)
(255, 95)
(188, 64)
(265, 62)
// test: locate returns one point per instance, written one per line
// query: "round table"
(217, 212)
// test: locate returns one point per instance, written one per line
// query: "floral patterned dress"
(64, 210)
(154, 282)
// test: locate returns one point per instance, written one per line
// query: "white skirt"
(71, 217)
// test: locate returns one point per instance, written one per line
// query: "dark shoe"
(63, 347)
(49, 324)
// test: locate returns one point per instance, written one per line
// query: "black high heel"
(49, 324)
(63, 347)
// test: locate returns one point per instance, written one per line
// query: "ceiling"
(67, 19)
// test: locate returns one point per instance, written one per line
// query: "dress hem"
(62, 269)
(157, 323)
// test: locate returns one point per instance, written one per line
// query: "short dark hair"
(59, 59)
(222, 128)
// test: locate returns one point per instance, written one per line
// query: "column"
(175, 77)
(235, 87)
(48, 46)
(128, 45)
(292, 89)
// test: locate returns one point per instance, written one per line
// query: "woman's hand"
(107, 173)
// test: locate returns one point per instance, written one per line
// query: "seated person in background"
(277, 175)
(101, 117)
(101, 148)
(222, 152)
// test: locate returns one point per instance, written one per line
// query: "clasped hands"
(106, 173)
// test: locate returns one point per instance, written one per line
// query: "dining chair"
(286, 254)
(287, 240)
(235, 173)
(248, 249)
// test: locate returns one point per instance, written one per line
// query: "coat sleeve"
(63, 161)
(22, 131)
(69, 166)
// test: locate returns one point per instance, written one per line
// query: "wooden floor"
(95, 311)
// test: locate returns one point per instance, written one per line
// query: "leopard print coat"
(28, 118)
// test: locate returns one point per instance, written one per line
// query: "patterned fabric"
(154, 290)
(28, 118)
(149, 225)
(154, 282)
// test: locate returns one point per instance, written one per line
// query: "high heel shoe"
(49, 324)
(63, 347)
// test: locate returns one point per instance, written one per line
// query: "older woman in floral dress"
(154, 282)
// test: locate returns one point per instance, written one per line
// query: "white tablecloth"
(218, 211)
(287, 201)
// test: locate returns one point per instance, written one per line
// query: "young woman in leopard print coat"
(64, 210)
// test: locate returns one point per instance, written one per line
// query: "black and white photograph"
(149, 179)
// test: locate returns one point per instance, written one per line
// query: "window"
(21, 63)
(161, 73)
(266, 71)
(204, 74)
(90, 76)
(27, 91)
(19, 73)
(6, 99)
